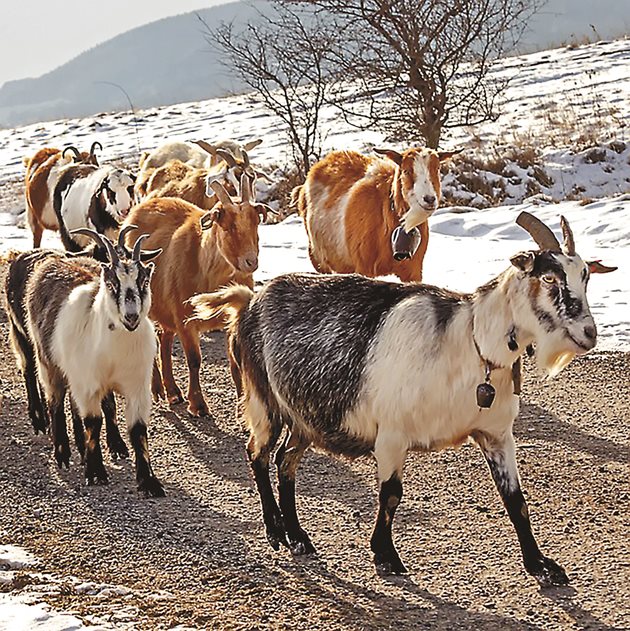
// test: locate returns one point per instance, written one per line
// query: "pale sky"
(38, 35)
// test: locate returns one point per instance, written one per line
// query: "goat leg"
(115, 443)
(148, 484)
(94, 468)
(287, 460)
(500, 456)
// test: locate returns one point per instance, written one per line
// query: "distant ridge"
(161, 63)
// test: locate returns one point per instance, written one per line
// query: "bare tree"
(421, 65)
(285, 57)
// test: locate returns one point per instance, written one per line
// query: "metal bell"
(485, 395)
(405, 244)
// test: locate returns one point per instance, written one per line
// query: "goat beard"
(552, 359)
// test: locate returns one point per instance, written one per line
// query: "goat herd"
(341, 361)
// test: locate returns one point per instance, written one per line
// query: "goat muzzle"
(405, 244)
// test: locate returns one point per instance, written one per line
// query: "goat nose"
(590, 332)
(132, 319)
(429, 199)
(251, 262)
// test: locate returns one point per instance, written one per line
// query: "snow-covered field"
(468, 246)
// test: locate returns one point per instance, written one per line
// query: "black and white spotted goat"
(89, 327)
(358, 366)
(98, 198)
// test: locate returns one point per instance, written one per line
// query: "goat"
(201, 252)
(227, 155)
(356, 366)
(20, 269)
(42, 172)
(92, 197)
(89, 327)
(352, 203)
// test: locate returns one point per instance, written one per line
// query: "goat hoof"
(39, 424)
(302, 546)
(175, 398)
(198, 411)
(388, 563)
(96, 476)
(118, 449)
(62, 455)
(151, 487)
(548, 573)
(276, 534)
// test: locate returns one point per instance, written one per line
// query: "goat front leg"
(189, 338)
(59, 429)
(287, 460)
(79, 433)
(390, 452)
(115, 443)
(500, 454)
(138, 409)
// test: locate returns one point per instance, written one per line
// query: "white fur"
(419, 210)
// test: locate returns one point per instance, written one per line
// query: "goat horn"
(206, 146)
(96, 144)
(246, 191)
(227, 156)
(220, 192)
(74, 150)
(542, 234)
(101, 240)
(137, 248)
(263, 175)
(123, 233)
(567, 233)
(248, 146)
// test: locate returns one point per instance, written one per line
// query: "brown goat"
(42, 173)
(202, 251)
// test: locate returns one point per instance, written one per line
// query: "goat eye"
(549, 279)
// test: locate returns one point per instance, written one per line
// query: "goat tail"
(227, 302)
(297, 200)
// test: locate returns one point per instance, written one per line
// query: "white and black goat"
(92, 336)
(98, 198)
(358, 366)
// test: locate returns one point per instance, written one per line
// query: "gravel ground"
(199, 557)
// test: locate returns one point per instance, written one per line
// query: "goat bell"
(485, 395)
(405, 244)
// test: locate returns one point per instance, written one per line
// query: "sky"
(38, 35)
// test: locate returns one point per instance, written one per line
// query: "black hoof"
(388, 563)
(151, 487)
(548, 573)
(62, 455)
(301, 545)
(276, 534)
(39, 424)
(96, 475)
(117, 448)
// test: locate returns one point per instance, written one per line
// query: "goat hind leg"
(501, 458)
(265, 432)
(288, 458)
(173, 393)
(189, 338)
(77, 426)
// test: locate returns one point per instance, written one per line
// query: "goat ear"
(597, 267)
(149, 267)
(524, 261)
(447, 155)
(391, 154)
(264, 209)
(251, 144)
(210, 218)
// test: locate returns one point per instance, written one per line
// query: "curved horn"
(246, 191)
(137, 248)
(96, 144)
(101, 240)
(245, 158)
(206, 146)
(263, 175)
(77, 155)
(221, 193)
(227, 156)
(542, 234)
(123, 233)
(567, 233)
(248, 146)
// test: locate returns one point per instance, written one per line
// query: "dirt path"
(199, 557)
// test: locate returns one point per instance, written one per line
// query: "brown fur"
(371, 182)
(193, 261)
